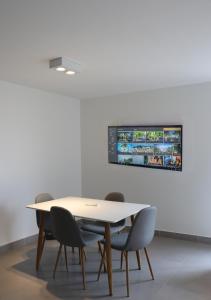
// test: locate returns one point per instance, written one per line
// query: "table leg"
(108, 256)
(40, 240)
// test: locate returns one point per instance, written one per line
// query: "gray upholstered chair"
(99, 227)
(68, 233)
(47, 223)
(139, 237)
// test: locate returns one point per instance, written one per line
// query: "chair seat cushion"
(118, 241)
(99, 227)
(89, 237)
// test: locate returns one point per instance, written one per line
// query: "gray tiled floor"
(182, 271)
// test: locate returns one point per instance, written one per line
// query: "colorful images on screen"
(159, 147)
(154, 136)
(139, 136)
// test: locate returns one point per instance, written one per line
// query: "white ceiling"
(123, 45)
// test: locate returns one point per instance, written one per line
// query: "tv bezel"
(148, 166)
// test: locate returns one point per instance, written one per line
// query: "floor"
(182, 271)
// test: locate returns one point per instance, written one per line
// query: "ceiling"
(123, 45)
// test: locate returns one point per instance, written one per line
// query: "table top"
(93, 209)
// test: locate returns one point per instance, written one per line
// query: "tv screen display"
(146, 146)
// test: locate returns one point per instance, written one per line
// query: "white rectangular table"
(92, 209)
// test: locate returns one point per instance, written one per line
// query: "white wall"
(39, 152)
(183, 198)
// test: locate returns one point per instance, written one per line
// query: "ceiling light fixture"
(70, 72)
(60, 69)
(66, 65)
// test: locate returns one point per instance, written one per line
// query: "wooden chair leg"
(138, 259)
(101, 253)
(104, 265)
(122, 256)
(79, 255)
(99, 247)
(43, 242)
(127, 273)
(65, 254)
(149, 264)
(57, 260)
(82, 266)
(84, 254)
(101, 264)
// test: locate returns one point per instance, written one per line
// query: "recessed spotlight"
(60, 69)
(70, 72)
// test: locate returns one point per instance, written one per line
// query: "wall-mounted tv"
(157, 147)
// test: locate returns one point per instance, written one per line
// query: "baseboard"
(14, 245)
(181, 236)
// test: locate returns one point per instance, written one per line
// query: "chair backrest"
(117, 197)
(142, 230)
(65, 228)
(42, 198)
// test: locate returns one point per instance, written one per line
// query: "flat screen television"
(157, 147)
